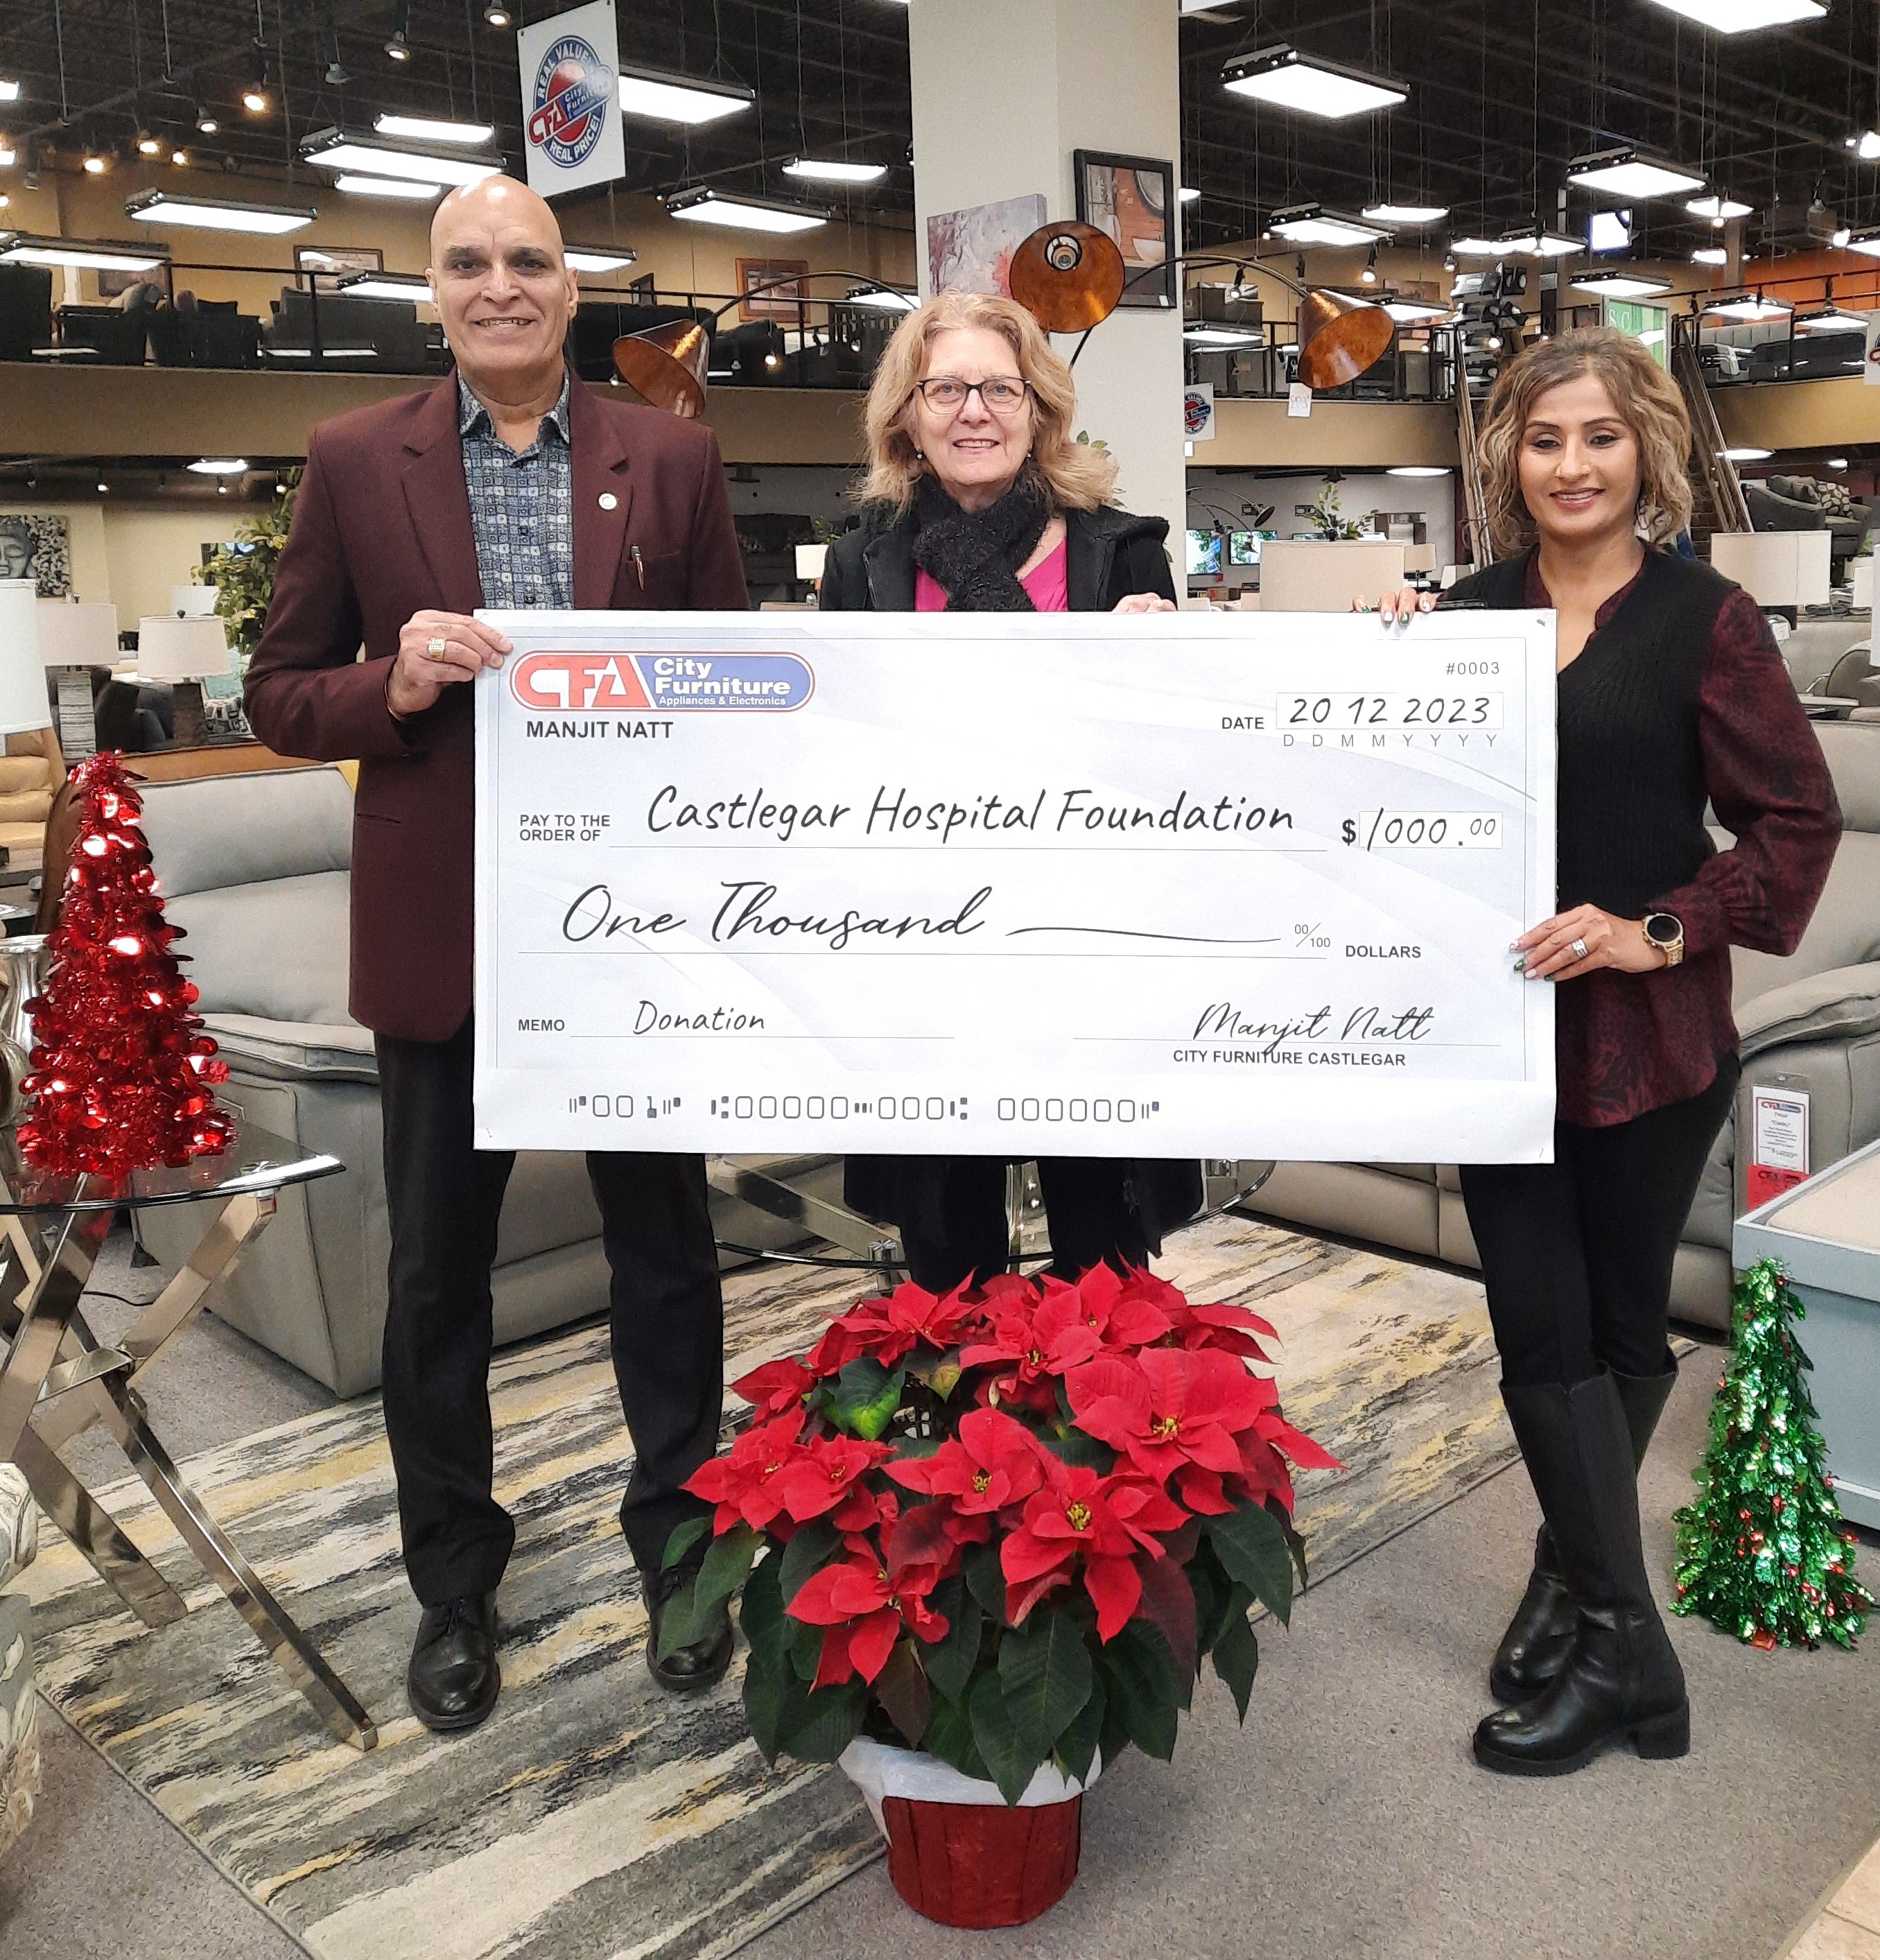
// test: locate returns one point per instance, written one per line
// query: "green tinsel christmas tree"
(1762, 1553)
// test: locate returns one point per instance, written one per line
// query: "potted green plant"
(1334, 527)
(243, 570)
(984, 1542)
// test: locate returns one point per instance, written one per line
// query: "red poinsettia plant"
(1003, 1525)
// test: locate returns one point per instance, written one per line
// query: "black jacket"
(1110, 553)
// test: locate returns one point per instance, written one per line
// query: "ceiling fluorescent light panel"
(594, 258)
(1743, 17)
(659, 97)
(432, 129)
(331, 150)
(355, 185)
(1308, 225)
(1717, 206)
(743, 214)
(22, 248)
(1301, 82)
(1406, 214)
(812, 169)
(210, 214)
(1627, 173)
(1621, 285)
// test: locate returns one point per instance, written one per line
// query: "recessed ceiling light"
(1222, 336)
(813, 170)
(1626, 172)
(661, 97)
(1312, 224)
(357, 186)
(1406, 214)
(1742, 17)
(1621, 285)
(1285, 77)
(433, 129)
(1747, 455)
(215, 214)
(592, 259)
(1417, 469)
(23, 248)
(334, 150)
(1717, 207)
(1710, 254)
(219, 465)
(744, 214)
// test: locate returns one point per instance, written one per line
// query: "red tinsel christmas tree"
(122, 1070)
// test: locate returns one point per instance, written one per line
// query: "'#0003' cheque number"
(1389, 710)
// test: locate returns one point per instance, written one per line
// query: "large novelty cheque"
(1189, 885)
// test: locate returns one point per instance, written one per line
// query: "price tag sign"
(1191, 884)
(1778, 1158)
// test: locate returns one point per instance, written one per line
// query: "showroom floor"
(1346, 1818)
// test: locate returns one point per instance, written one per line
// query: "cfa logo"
(568, 108)
(599, 683)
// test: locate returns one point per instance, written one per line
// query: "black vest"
(1631, 791)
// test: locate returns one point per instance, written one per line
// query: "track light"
(205, 120)
(254, 97)
(399, 47)
(1369, 275)
(497, 17)
(180, 158)
(148, 145)
(95, 164)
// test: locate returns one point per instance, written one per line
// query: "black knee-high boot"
(1621, 1676)
(1538, 1636)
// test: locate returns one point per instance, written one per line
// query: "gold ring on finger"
(1579, 948)
(436, 646)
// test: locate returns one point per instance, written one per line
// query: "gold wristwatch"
(1667, 933)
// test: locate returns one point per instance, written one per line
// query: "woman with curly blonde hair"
(1670, 694)
(977, 499)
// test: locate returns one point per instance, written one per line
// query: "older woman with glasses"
(978, 500)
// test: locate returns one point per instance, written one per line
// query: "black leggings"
(1577, 1254)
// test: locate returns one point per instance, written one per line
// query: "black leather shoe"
(1534, 1649)
(701, 1663)
(453, 1680)
(1620, 1678)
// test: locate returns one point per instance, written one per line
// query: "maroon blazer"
(381, 530)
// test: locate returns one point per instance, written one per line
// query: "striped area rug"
(593, 1817)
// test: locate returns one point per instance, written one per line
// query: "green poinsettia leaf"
(940, 1374)
(818, 1724)
(1045, 1673)
(811, 1549)
(1251, 1544)
(1144, 1688)
(1236, 1659)
(761, 1614)
(862, 1398)
(950, 1661)
(722, 1570)
(900, 1689)
(1078, 1744)
(1011, 1762)
(684, 1537)
(949, 1737)
(985, 1579)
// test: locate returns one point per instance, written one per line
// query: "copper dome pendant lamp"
(1070, 278)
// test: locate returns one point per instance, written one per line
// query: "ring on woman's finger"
(436, 646)
(1579, 948)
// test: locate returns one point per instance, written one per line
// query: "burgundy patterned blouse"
(1628, 1042)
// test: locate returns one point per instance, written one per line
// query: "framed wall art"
(1132, 199)
(784, 302)
(970, 250)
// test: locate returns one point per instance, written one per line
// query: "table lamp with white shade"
(23, 703)
(73, 639)
(184, 652)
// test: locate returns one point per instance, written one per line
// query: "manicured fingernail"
(1520, 965)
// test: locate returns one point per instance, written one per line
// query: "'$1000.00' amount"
(1423, 830)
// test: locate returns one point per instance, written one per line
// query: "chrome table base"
(56, 1381)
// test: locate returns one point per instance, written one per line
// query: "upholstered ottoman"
(19, 1728)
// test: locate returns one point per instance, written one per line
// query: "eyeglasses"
(1004, 394)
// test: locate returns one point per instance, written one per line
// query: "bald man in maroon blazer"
(509, 484)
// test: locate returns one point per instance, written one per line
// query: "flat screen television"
(1204, 554)
(1243, 547)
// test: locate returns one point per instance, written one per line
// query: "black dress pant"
(965, 1234)
(1577, 1254)
(444, 1199)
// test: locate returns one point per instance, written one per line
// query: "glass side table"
(56, 1380)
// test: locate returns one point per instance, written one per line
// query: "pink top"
(1048, 582)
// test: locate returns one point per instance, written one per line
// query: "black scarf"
(975, 555)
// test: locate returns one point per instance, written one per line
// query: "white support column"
(1003, 91)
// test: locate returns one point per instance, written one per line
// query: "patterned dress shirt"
(521, 507)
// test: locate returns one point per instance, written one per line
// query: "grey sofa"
(256, 871)
(1814, 1017)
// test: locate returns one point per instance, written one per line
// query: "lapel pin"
(608, 499)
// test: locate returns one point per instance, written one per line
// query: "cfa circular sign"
(568, 107)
